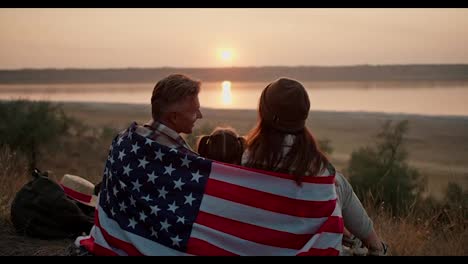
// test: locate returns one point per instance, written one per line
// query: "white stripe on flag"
(260, 217)
(274, 185)
(101, 241)
(337, 210)
(143, 245)
(323, 241)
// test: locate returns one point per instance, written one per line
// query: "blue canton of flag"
(140, 179)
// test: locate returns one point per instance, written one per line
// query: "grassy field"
(438, 147)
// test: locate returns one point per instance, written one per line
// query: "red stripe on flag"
(334, 224)
(268, 201)
(96, 249)
(253, 233)
(115, 242)
(320, 252)
(200, 247)
(309, 179)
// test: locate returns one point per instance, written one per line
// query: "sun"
(225, 54)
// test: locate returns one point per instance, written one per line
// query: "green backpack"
(41, 209)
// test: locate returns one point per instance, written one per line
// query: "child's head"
(224, 144)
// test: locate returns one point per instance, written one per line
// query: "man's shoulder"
(142, 130)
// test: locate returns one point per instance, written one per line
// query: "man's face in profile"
(188, 113)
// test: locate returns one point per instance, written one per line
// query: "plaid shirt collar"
(160, 128)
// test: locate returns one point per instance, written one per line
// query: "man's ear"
(172, 116)
(169, 118)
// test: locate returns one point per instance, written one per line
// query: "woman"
(281, 142)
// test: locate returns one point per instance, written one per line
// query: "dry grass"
(413, 236)
(84, 155)
(13, 175)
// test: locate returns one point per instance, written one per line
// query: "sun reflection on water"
(226, 94)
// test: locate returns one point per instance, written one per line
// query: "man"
(175, 107)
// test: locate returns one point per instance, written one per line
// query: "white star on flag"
(127, 169)
(132, 201)
(189, 199)
(180, 219)
(185, 161)
(176, 240)
(132, 223)
(143, 162)
(154, 233)
(122, 185)
(151, 177)
(178, 184)
(142, 216)
(135, 148)
(149, 141)
(196, 176)
(121, 155)
(122, 206)
(165, 225)
(136, 185)
(168, 169)
(159, 155)
(147, 198)
(172, 207)
(173, 150)
(154, 210)
(162, 192)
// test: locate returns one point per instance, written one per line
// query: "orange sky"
(116, 38)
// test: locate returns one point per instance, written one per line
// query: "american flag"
(156, 200)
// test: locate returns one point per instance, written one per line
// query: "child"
(223, 144)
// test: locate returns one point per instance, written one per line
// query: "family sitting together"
(272, 192)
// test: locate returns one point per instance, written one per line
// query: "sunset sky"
(213, 37)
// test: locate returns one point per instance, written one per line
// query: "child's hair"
(224, 144)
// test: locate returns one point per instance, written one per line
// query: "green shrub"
(382, 172)
(28, 126)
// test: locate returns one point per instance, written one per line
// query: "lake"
(424, 98)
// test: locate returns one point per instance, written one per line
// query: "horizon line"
(235, 67)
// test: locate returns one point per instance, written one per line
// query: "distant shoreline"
(143, 107)
(357, 73)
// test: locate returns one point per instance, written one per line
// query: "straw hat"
(285, 105)
(79, 189)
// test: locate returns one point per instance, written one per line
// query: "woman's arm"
(355, 217)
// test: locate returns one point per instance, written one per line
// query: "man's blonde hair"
(171, 90)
